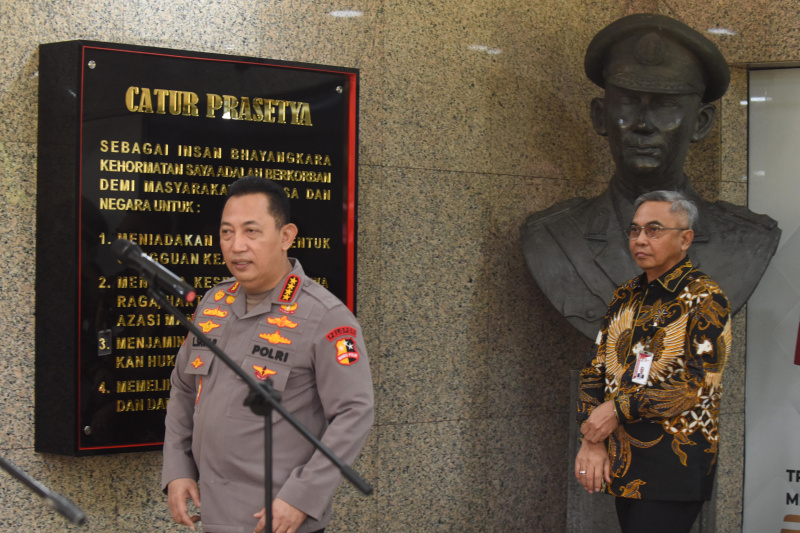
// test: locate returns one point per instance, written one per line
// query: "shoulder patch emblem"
(219, 295)
(233, 288)
(338, 332)
(289, 289)
(346, 353)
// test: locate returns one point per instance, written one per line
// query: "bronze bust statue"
(659, 77)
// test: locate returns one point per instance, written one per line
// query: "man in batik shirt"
(650, 393)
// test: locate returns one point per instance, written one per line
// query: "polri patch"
(346, 353)
(338, 332)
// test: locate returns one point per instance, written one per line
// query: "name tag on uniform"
(642, 370)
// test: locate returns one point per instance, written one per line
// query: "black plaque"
(141, 143)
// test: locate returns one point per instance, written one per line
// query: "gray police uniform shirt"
(306, 341)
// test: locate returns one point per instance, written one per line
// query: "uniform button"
(589, 314)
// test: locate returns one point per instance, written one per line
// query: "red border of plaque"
(141, 143)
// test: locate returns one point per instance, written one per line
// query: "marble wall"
(473, 115)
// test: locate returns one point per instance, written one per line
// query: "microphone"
(130, 254)
(65, 508)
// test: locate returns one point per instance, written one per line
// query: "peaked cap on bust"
(655, 53)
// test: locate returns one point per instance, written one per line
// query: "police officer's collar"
(284, 293)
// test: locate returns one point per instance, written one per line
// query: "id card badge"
(641, 371)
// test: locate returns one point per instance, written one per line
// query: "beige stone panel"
(496, 88)
(431, 256)
(738, 29)
(324, 32)
(18, 257)
(369, 265)
(730, 473)
(781, 23)
(230, 27)
(86, 482)
(135, 479)
(309, 32)
(733, 139)
(465, 331)
(504, 474)
(25, 25)
(353, 511)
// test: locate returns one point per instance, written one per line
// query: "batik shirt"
(666, 445)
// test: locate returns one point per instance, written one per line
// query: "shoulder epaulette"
(323, 295)
(555, 210)
(765, 221)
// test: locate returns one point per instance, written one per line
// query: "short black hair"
(278, 200)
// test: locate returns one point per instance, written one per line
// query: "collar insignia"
(289, 289)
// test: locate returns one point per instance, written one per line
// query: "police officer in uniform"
(278, 325)
(660, 77)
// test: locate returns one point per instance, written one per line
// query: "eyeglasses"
(651, 230)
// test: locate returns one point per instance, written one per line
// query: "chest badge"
(281, 322)
(275, 338)
(289, 309)
(217, 312)
(208, 325)
(263, 373)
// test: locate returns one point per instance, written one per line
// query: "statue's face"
(649, 133)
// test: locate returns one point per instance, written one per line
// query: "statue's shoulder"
(565, 208)
(744, 216)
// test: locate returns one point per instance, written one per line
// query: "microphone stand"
(66, 508)
(262, 400)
